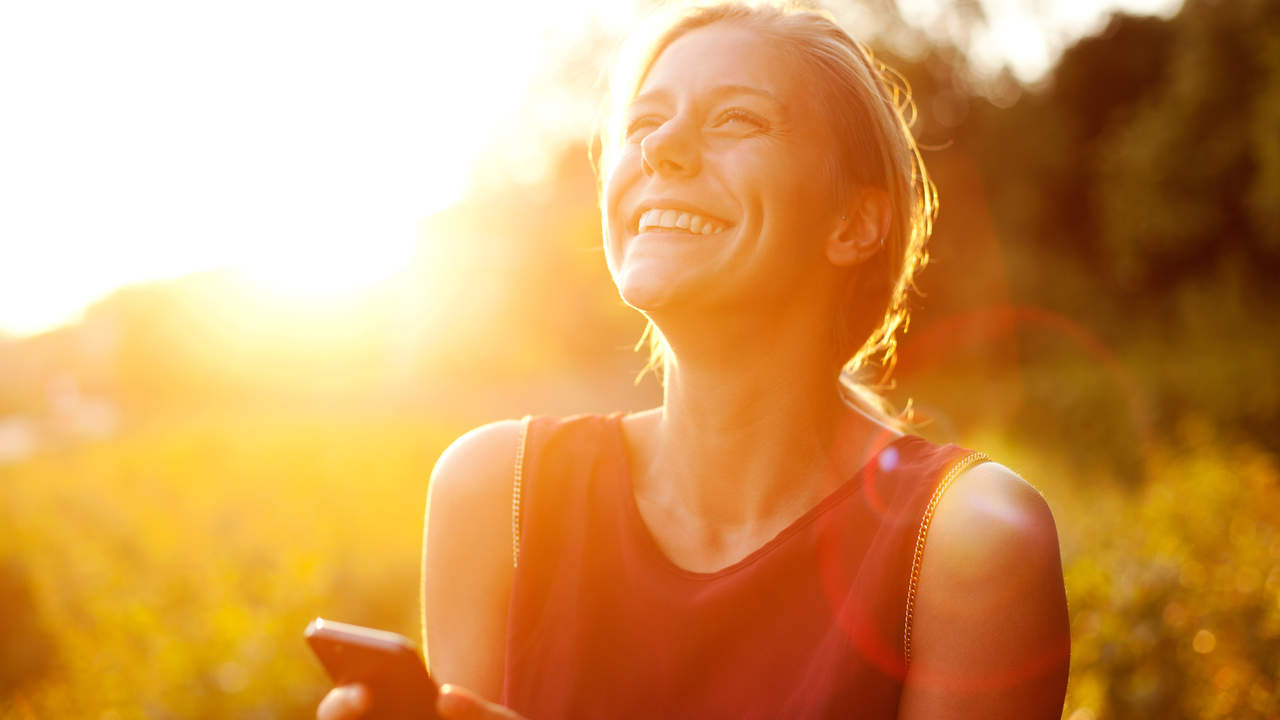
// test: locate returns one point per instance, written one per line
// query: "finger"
(456, 703)
(346, 701)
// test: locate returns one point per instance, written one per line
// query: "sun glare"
(298, 143)
(331, 274)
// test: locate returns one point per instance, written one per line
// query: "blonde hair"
(870, 113)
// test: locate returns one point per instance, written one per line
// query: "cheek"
(619, 178)
(610, 232)
(805, 197)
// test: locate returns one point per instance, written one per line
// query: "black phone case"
(388, 665)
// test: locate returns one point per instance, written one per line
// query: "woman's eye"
(640, 127)
(737, 117)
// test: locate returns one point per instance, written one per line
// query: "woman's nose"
(670, 150)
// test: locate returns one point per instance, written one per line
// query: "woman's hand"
(348, 702)
(345, 702)
(457, 703)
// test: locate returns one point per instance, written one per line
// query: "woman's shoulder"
(990, 513)
(479, 460)
(991, 609)
(481, 463)
(559, 440)
(470, 492)
(987, 526)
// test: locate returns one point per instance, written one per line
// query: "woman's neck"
(744, 445)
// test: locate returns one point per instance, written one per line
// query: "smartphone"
(387, 664)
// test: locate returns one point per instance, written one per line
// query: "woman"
(766, 543)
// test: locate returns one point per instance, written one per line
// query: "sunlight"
(331, 274)
(295, 143)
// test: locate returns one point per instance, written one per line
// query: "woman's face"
(718, 196)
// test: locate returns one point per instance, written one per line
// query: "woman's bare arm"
(990, 636)
(466, 559)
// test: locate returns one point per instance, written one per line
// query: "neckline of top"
(873, 465)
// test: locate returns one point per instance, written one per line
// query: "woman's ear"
(861, 232)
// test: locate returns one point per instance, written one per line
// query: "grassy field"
(169, 572)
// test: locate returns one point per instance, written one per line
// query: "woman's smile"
(683, 223)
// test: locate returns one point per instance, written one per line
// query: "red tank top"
(602, 624)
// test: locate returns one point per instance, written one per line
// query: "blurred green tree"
(1137, 193)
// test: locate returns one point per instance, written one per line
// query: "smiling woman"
(836, 143)
(768, 542)
(734, 154)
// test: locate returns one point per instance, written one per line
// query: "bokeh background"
(261, 262)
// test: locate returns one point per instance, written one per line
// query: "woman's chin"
(647, 291)
(645, 296)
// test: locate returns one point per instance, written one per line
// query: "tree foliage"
(1137, 194)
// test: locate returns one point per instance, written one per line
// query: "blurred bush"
(170, 572)
(1173, 588)
(27, 648)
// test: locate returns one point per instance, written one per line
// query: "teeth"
(676, 220)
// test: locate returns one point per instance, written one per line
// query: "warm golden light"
(327, 275)
(262, 262)
(295, 143)
(148, 141)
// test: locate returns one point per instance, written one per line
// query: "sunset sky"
(299, 143)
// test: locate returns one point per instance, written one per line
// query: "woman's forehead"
(721, 56)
